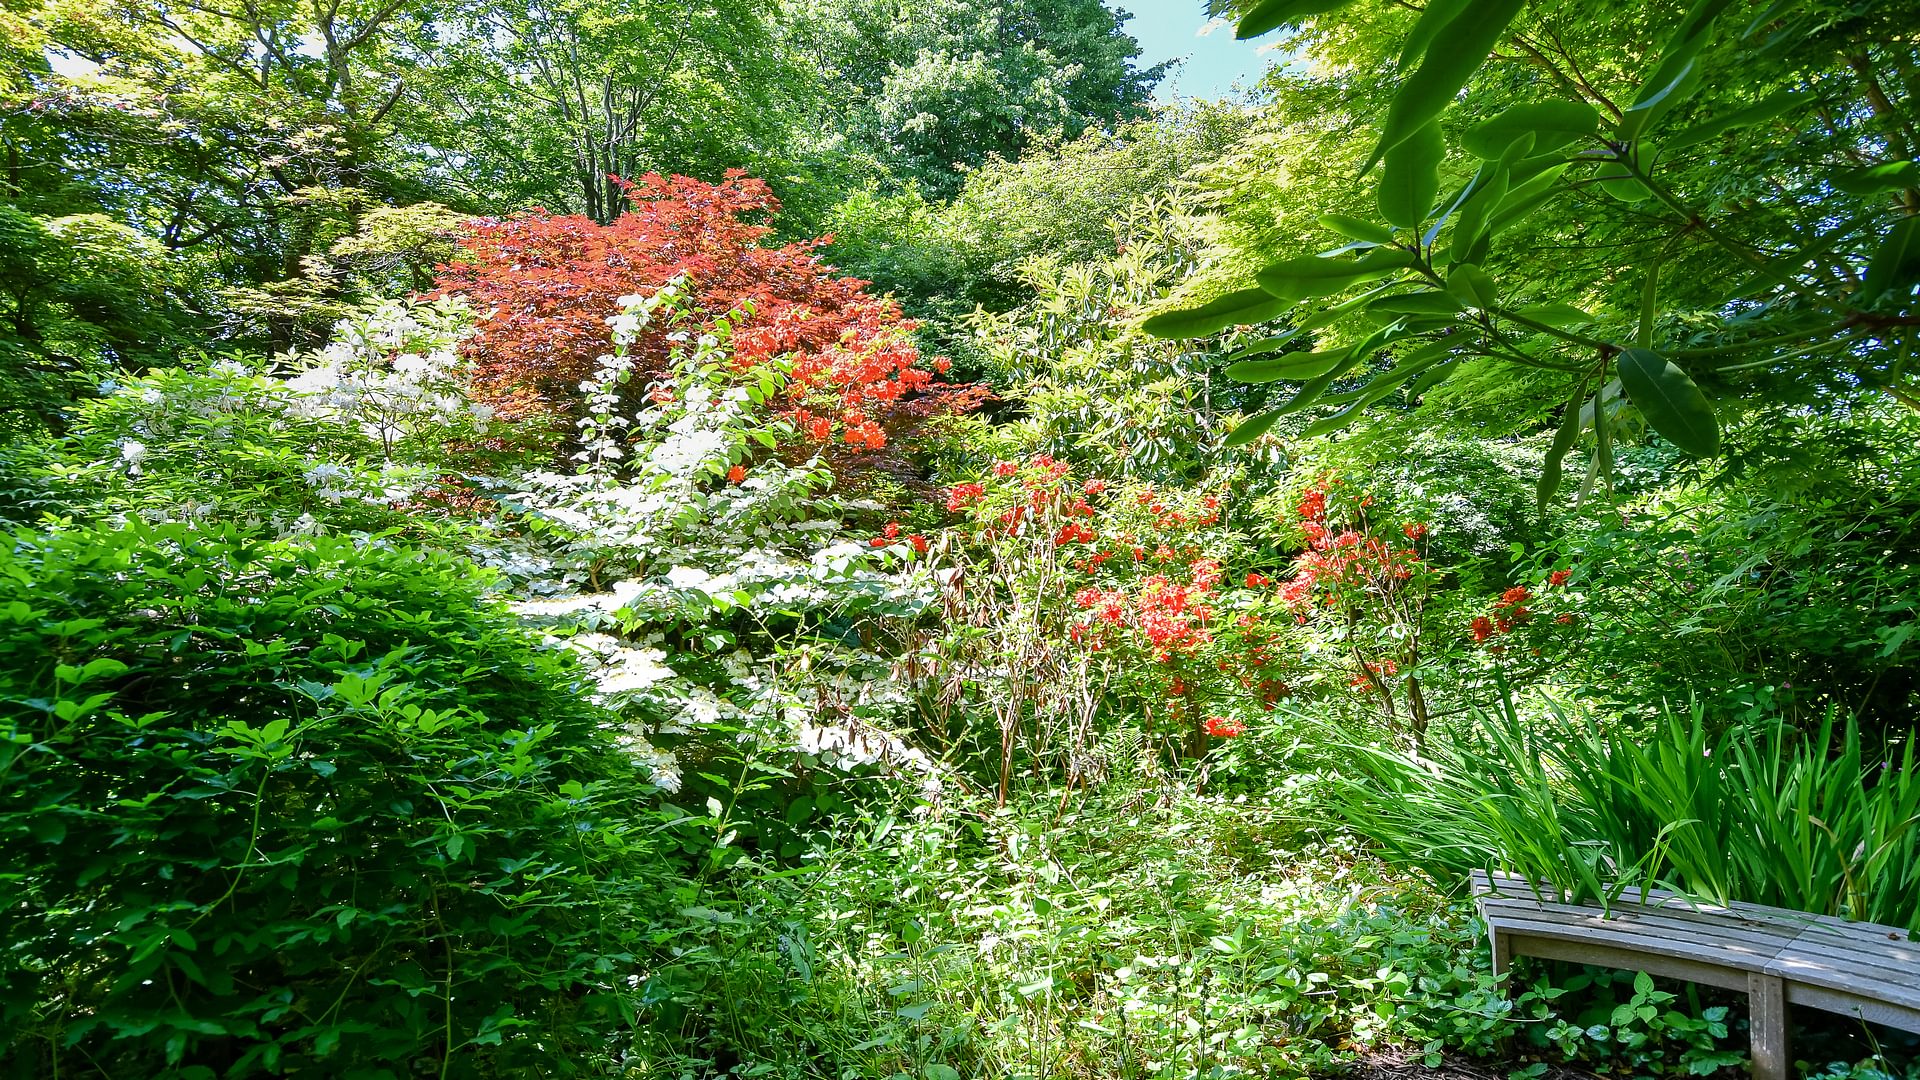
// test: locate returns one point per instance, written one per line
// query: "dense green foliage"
(277, 804)
(842, 540)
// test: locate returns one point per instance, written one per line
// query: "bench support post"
(1767, 1004)
(1502, 951)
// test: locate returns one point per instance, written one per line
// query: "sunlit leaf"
(1671, 402)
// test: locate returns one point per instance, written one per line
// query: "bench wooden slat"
(1743, 957)
(1894, 984)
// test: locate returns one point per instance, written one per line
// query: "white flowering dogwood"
(705, 574)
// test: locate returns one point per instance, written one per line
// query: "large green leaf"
(1312, 275)
(1412, 178)
(1381, 385)
(1357, 229)
(1563, 440)
(1670, 401)
(1293, 366)
(1472, 286)
(1554, 313)
(1433, 19)
(1234, 309)
(1894, 265)
(1424, 302)
(1457, 51)
(1552, 124)
(1674, 78)
(1474, 217)
(1273, 14)
(1876, 179)
(1249, 430)
(1617, 178)
(1754, 114)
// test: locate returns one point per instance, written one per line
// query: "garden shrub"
(314, 809)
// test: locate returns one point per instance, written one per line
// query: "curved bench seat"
(1776, 956)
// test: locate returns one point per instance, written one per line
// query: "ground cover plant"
(849, 541)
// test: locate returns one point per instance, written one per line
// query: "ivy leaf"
(1670, 401)
(1273, 14)
(1233, 309)
(1457, 51)
(1552, 124)
(1411, 178)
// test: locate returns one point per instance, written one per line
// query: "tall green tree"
(1602, 220)
(940, 86)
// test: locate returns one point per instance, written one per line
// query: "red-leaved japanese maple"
(544, 285)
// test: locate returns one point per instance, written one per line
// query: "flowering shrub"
(544, 284)
(1079, 607)
(362, 429)
(701, 577)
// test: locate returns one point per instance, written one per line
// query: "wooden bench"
(1777, 957)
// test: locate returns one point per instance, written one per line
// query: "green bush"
(308, 809)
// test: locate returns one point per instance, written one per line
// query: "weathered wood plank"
(1603, 955)
(1767, 1010)
(1857, 1006)
(1898, 986)
(1613, 936)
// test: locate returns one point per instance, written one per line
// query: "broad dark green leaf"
(1674, 78)
(1525, 198)
(1472, 286)
(1433, 19)
(1754, 114)
(1311, 275)
(1249, 430)
(1552, 124)
(1293, 366)
(1425, 302)
(1555, 313)
(1379, 387)
(1895, 265)
(1875, 179)
(1457, 51)
(1234, 309)
(1563, 440)
(1618, 180)
(1411, 178)
(1670, 401)
(1272, 14)
(1470, 224)
(1357, 229)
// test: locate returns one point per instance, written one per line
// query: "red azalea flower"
(1559, 577)
(892, 531)
(1482, 628)
(1414, 531)
(736, 474)
(1225, 727)
(919, 543)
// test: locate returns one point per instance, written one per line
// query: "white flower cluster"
(394, 369)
